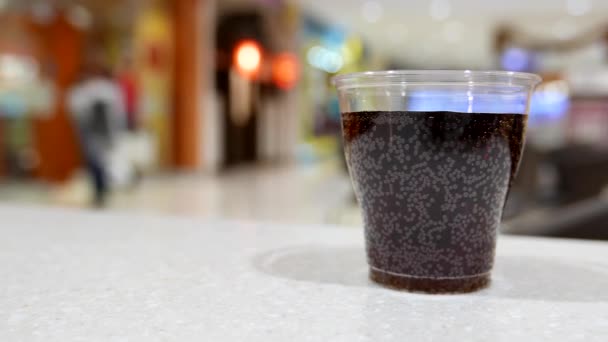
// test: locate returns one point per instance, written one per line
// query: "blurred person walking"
(98, 110)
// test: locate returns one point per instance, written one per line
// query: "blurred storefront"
(257, 71)
(44, 49)
(327, 49)
(565, 164)
(177, 62)
(153, 45)
(37, 138)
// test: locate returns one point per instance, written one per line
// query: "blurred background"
(223, 108)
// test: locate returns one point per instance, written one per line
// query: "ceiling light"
(371, 11)
(440, 9)
(578, 7)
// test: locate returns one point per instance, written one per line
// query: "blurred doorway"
(240, 39)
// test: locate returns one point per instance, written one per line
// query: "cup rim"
(439, 77)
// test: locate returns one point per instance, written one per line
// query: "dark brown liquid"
(432, 186)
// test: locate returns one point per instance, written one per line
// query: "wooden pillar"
(2, 152)
(55, 138)
(187, 84)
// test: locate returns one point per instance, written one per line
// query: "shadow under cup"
(432, 155)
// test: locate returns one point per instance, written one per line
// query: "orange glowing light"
(285, 70)
(248, 58)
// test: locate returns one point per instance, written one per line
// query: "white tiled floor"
(302, 194)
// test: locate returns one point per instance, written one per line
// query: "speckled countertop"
(70, 276)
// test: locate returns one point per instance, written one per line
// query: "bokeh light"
(248, 58)
(285, 70)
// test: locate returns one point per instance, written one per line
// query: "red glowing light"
(285, 70)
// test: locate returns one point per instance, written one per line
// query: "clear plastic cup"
(432, 155)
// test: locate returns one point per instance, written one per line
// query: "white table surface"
(70, 276)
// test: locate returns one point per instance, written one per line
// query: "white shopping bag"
(130, 154)
(119, 165)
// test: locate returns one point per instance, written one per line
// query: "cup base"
(430, 285)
